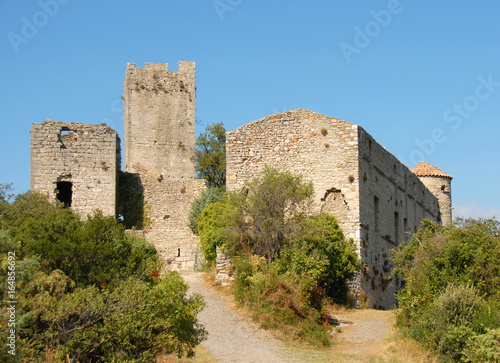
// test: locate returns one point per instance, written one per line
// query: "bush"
(92, 252)
(209, 195)
(290, 294)
(86, 291)
(483, 348)
(320, 253)
(452, 291)
(278, 302)
(133, 323)
(211, 229)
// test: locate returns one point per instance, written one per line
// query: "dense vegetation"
(211, 155)
(451, 301)
(85, 290)
(289, 264)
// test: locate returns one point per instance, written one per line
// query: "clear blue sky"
(423, 77)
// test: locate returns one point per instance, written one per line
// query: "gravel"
(232, 337)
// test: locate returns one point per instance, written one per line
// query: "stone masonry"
(159, 116)
(77, 164)
(377, 200)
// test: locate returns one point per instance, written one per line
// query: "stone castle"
(377, 200)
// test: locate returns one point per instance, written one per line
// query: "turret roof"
(426, 169)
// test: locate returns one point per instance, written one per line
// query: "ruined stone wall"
(393, 202)
(377, 200)
(159, 119)
(167, 202)
(322, 149)
(84, 158)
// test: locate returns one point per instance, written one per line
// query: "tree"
(266, 210)
(211, 155)
(209, 195)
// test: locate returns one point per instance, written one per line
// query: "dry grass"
(202, 355)
(369, 338)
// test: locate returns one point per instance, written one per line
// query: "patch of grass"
(202, 355)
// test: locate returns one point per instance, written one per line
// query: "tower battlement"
(159, 116)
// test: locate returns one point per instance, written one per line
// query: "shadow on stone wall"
(130, 200)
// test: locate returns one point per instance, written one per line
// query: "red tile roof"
(426, 169)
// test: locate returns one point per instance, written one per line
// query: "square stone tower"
(159, 116)
(159, 143)
(76, 164)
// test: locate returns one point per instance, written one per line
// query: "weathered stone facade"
(159, 116)
(439, 183)
(377, 200)
(77, 164)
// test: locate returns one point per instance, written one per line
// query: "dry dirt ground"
(361, 336)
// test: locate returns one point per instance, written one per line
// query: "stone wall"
(393, 202)
(320, 148)
(76, 163)
(167, 202)
(377, 200)
(159, 116)
(159, 119)
(440, 186)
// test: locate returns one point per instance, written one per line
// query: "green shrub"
(452, 276)
(483, 348)
(96, 251)
(134, 322)
(290, 293)
(86, 291)
(211, 228)
(320, 254)
(209, 195)
(278, 302)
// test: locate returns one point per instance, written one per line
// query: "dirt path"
(231, 337)
(365, 335)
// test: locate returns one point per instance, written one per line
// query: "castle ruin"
(377, 200)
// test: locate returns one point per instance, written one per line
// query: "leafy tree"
(211, 155)
(209, 195)
(267, 209)
(5, 196)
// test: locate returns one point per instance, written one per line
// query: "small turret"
(439, 184)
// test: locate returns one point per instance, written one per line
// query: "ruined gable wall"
(320, 148)
(159, 119)
(403, 202)
(88, 156)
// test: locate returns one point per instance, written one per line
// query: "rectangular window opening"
(65, 193)
(396, 227)
(376, 211)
